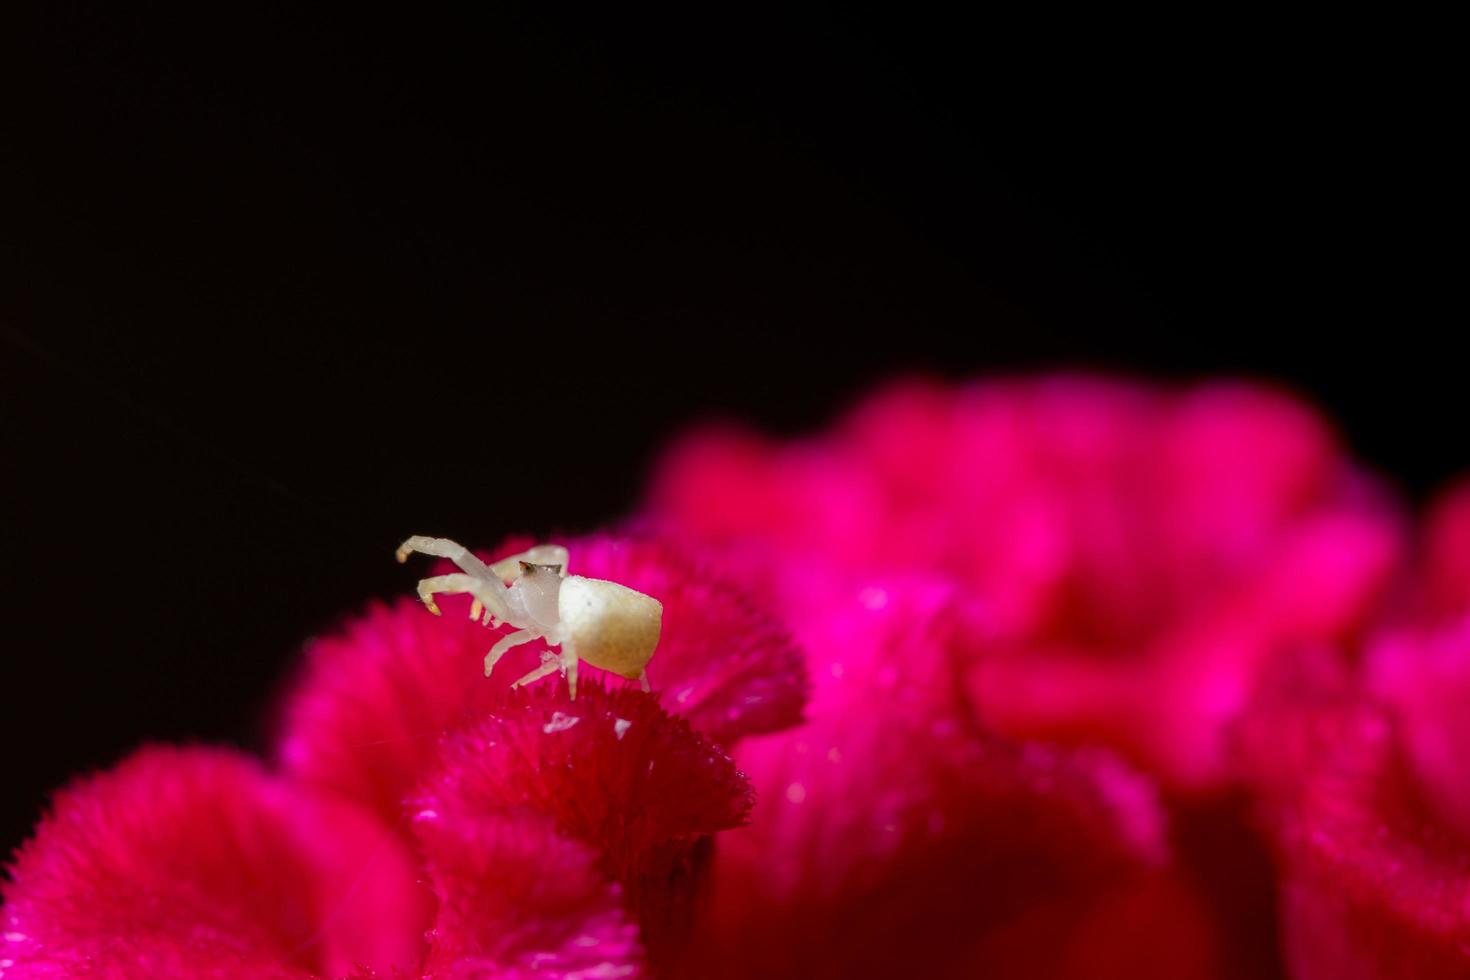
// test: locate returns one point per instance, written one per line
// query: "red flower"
(519, 900)
(895, 837)
(1138, 554)
(986, 593)
(611, 770)
(1375, 876)
(197, 863)
(535, 835)
(558, 837)
(1446, 584)
(1362, 774)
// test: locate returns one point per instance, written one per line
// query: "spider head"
(537, 590)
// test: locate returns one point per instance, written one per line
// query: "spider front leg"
(445, 548)
(485, 593)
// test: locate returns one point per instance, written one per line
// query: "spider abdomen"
(609, 625)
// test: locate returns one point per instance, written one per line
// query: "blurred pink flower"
(1375, 876)
(895, 837)
(1446, 577)
(1133, 554)
(1362, 779)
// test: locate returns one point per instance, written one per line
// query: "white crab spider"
(606, 624)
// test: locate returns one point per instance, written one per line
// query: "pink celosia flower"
(1446, 579)
(994, 589)
(518, 900)
(366, 715)
(524, 833)
(196, 863)
(1374, 874)
(559, 838)
(1362, 773)
(1137, 553)
(370, 717)
(611, 770)
(894, 837)
(1424, 678)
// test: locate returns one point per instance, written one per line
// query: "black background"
(282, 286)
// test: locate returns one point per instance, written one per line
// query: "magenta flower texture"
(196, 862)
(1362, 774)
(1137, 553)
(892, 819)
(371, 702)
(1058, 677)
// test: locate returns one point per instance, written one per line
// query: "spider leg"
(483, 591)
(643, 682)
(485, 616)
(569, 663)
(549, 667)
(445, 548)
(445, 584)
(504, 644)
